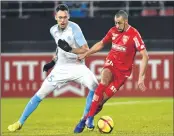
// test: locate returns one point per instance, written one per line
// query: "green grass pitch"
(58, 117)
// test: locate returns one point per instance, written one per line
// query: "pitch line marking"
(137, 102)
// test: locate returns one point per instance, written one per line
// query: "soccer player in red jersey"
(125, 41)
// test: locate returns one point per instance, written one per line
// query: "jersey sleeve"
(139, 43)
(52, 32)
(108, 37)
(78, 35)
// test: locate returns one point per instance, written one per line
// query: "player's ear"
(68, 16)
(126, 21)
(55, 17)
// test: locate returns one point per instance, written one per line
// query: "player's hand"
(64, 45)
(82, 56)
(48, 66)
(141, 84)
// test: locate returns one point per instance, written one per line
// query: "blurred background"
(25, 25)
(25, 29)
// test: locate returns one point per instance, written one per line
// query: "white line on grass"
(137, 102)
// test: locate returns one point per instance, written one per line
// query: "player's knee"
(42, 92)
(105, 97)
(106, 77)
(105, 81)
(91, 83)
(41, 95)
(94, 86)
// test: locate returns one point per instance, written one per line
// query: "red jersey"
(124, 47)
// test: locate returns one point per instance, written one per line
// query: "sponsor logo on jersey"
(69, 38)
(142, 46)
(118, 47)
(114, 36)
(125, 39)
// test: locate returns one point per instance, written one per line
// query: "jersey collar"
(64, 29)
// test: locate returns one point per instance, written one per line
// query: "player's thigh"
(45, 89)
(48, 85)
(106, 76)
(87, 78)
(114, 86)
(60, 75)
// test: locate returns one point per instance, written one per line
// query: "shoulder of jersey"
(113, 28)
(73, 24)
(53, 27)
(134, 30)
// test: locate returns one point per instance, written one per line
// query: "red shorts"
(119, 78)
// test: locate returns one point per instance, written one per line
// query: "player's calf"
(100, 107)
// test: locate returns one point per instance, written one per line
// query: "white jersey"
(66, 68)
(71, 34)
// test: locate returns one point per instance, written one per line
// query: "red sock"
(110, 90)
(97, 98)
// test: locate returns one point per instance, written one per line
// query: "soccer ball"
(105, 124)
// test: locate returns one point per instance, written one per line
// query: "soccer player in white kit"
(67, 67)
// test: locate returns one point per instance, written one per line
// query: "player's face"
(62, 18)
(120, 23)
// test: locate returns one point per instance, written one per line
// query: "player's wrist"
(53, 62)
(87, 54)
(141, 77)
(54, 59)
(72, 50)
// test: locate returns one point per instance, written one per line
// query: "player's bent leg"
(81, 125)
(88, 102)
(45, 89)
(98, 96)
(109, 92)
(89, 121)
(30, 107)
(100, 106)
(88, 80)
(106, 78)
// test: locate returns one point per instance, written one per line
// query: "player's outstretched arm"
(95, 48)
(81, 49)
(143, 67)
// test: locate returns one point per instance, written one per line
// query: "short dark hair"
(122, 13)
(62, 7)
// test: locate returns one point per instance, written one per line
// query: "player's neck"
(62, 29)
(126, 27)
